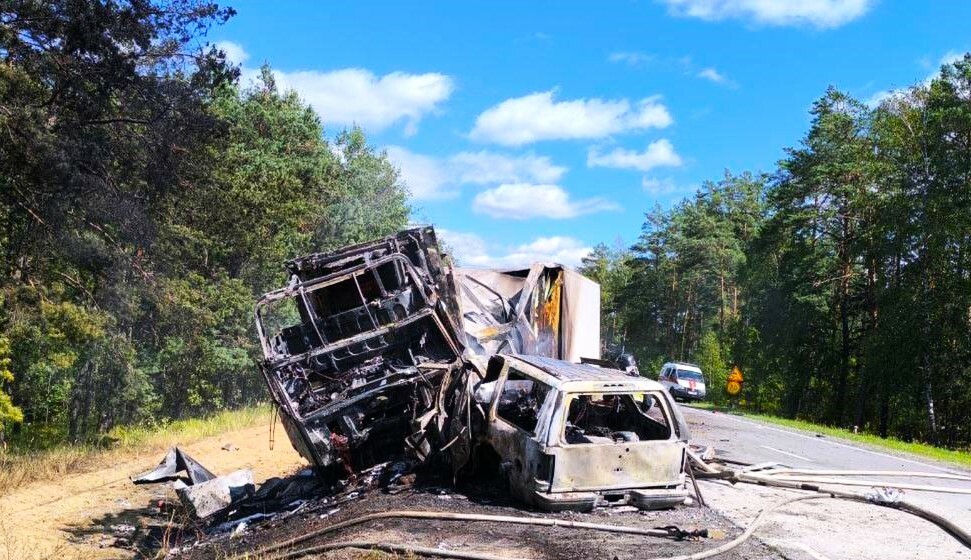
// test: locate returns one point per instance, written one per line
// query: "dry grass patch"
(18, 469)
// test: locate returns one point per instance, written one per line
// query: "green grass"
(18, 468)
(191, 429)
(950, 456)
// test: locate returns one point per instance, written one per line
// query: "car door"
(520, 410)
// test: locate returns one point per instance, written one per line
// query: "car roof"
(684, 365)
(570, 377)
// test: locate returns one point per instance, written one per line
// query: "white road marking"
(830, 442)
(800, 457)
(815, 554)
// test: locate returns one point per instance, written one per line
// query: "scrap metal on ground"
(201, 492)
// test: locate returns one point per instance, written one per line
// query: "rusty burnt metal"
(203, 494)
(357, 348)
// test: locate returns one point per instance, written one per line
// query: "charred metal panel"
(359, 349)
(545, 310)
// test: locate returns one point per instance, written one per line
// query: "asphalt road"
(843, 530)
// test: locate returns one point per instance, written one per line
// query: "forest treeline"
(840, 282)
(146, 199)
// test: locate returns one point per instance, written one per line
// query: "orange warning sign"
(733, 387)
(734, 384)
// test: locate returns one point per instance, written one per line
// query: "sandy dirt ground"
(82, 516)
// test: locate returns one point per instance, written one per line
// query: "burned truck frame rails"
(363, 343)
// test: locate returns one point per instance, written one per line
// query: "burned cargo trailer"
(358, 348)
(545, 310)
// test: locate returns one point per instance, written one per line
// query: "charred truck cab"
(576, 436)
(357, 348)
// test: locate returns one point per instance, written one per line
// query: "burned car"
(575, 436)
(357, 349)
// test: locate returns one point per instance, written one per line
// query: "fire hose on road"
(289, 552)
(887, 494)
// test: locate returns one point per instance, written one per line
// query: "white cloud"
(425, 176)
(470, 250)
(631, 58)
(662, 187)
(430, 177)
(659, 153)
(521, 201)
(234, 52)
(879, 97)
(713, 75)
(355, 96)
(484, 167)
(819, 13)
(538, 116)
(949, 58)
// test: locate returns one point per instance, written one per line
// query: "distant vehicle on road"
(684, 381)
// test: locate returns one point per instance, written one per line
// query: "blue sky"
(534, 130)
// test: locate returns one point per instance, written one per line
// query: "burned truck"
(357, 348)
(382, 350)
(369, 350)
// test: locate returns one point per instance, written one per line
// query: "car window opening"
(521, 400)
(689, 374)
(604, 418)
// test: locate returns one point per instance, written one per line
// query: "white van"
(684, 381)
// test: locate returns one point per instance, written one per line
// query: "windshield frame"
(694, 375)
